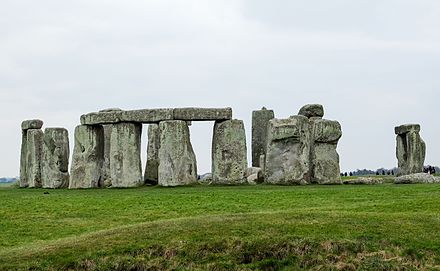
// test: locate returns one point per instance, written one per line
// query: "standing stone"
(312, 111)
(288, 151)
(177, 161)
(151, 175)
(88, 157)
(324, 158)
(33, 160)
(55, 158)
(260, 121)
(25, 126)
(229, 161)
(410, 149)
(125, 155)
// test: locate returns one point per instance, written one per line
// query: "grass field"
(383, 227)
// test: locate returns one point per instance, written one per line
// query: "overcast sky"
(373, 64)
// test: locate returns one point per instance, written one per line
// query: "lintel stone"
(31, 124)
(406, 128)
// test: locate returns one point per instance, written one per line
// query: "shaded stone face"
(312, 110)
(31, 124)
(410, 149)
(151, 175)
(88, 157)
(288, 151)
(177, 161)
(55, 158)
(23, 182)
(125, 155)
(260, 122)
(33, 161)
(229, 154)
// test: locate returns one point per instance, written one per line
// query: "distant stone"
(125, 155)
(34, 154)
(417, 178)
(254, 175)
(410, 150)
(229, 153)
(312, 110)
(23, 182)
(406, 128)
(260, 122)
(31, 124)
(55, 158)
(205, 179)
(151, 175)
(88, 157)
(365, 180)
(202, 114)
(177, 161)
(110, 110)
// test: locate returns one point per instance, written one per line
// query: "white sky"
(373, 64)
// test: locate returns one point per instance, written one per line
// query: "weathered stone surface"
(326, 131)
(148, 115)
(205, 179)
(312, 110)
(365, 180)
(110, 110)
(33, 161)
(263, 162)
(125, 155)
(410, 152)
(288, 151)
(260, 122)
(254, 175)
(202, 114)
(55, 158)
(88, 157)
(229, 153)
(97, 118)
(151, 175)
(177, 161)
(406, 128)
(31, 124)
(23, 182)
(417, 178)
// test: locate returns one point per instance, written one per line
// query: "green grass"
(381, 227)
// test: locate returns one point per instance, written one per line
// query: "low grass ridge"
(222, 228)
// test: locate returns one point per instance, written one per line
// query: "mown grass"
(381, 227)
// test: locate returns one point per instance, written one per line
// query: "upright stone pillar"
(34, 154)
(410, 150)
(177, 161)
(151, 175)
(88, 157)
(125, 155)
(55, 158)
(260, 122)
(25, 127)
(288, 151)
(229, 154)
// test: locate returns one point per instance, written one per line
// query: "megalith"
(177, 161)
(151, 169)
(125, 155)
(229, 154)
(410, 149)
(88, 157)
(312, 111)
(260, 121)
(33, 160)
(288, 151)
(25, 127)
(55, 158)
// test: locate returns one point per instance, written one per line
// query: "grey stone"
(254, 175)
(263, 162)
(229, 154)
(55, 158)
(202, 114)
(88, 157)
(326, 131)
(23, 182)
(288, 151)
(31, 124)
(125, 155)
(260, 122)
(34, 155)
(151, 175)
(148, 115)
(97, 118)
(312, 110)
(110, 110)
(417, 178)
(406, 128)
(365, 180)
(410, 151)
(105, 172)
(177, 161)
(206, 179)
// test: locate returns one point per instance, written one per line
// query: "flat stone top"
(157, 115)
(312, 110)
(406, 128)
(31, 124)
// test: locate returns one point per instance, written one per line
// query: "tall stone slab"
(125, 155)
(55, 158)
(288, 151)
(33, 160)
(177, 161)
(260, 122)
(151, 175)
(229, 154)
(324, 157)
(25, 126)
(88, 157)
(410, 149)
